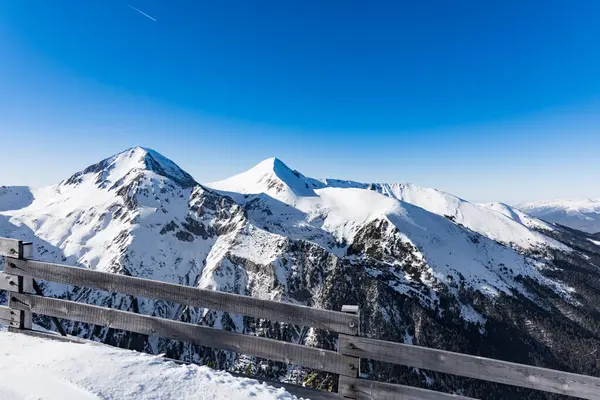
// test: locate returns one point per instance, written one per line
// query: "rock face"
(425, 267)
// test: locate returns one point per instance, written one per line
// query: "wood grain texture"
(13, 250)
(9, 282)
(38, 290)
(249, 306)
(9, 247)
(5, 312)
(355, 361)
(362, 389)
(311, 357)
(9, 317)
(586, 387)
(25, 286)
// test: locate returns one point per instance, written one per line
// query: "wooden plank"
(55, 320)
(586, 387)
(13, 250)
(26, 287)
(354, 361)
(5, 312)
(9, 247)
(311, 357)
(350, 309)
(267, 309)
(362, 389)
(9, 317)
(9, 282)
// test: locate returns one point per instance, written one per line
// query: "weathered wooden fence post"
(346, 388)
(25, 283)
(13, 249)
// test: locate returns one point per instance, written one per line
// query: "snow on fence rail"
(20, 271)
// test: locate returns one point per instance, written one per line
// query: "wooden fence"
(20, 272)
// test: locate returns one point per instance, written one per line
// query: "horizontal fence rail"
(311, 357)
(250, 306)
(9, 317)
(360, 389)
(583, 386)
(8, 282)
(10, 247)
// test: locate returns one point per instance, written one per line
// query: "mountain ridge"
(433, 200)
(424, 266)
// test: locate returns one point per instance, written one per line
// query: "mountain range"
(425, 267)
(581, 214)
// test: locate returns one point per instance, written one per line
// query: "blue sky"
(486, 100)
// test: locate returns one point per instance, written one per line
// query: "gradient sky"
(491, 101)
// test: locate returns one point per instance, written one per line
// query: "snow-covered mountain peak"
(275, 179)
(271, 163)
(105, 216)
(422, 264)
(130, 163)
(271, 176)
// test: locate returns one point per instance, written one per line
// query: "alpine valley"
(425, 267)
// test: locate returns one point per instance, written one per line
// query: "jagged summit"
(135, 159)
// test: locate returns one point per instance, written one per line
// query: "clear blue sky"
(486, 100)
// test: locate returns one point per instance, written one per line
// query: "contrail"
(141, 12)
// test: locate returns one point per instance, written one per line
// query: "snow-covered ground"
(42, 369)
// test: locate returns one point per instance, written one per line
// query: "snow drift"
(93, 371)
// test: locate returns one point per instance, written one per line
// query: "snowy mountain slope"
(518, 216)
(270, 176)
(135, 213)
(508, 227)
(432, 247)
(450, 252)
(328, 215)
(87, 371)
(425, 267)
(581, 214)
(14, 197)
(497, 226)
